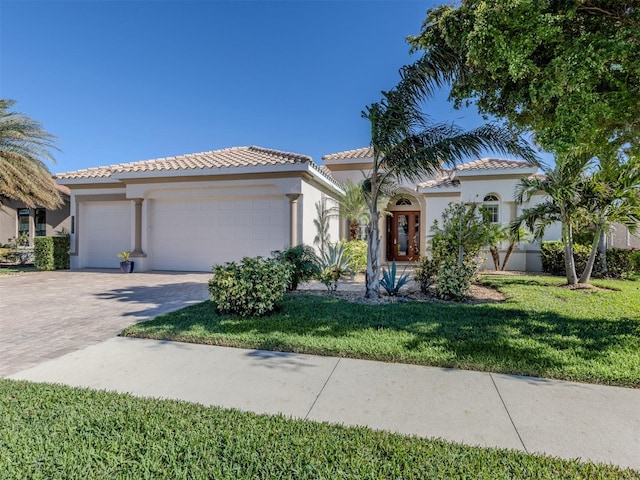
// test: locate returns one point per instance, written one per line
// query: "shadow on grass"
(502, 337)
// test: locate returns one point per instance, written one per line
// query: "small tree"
(455, 247)
(353, 207)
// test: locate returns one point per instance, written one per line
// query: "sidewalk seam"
(322, 389)
(509, 414)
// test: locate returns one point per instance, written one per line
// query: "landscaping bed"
(58, 432)
(540, 329)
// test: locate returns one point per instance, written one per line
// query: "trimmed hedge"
(619, 260)
(51, 253)
(43, 253)
(250, 288)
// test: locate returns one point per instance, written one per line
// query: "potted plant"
(126, 266)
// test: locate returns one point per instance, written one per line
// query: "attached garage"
(194, 234)
(105, 231)
(190, 212)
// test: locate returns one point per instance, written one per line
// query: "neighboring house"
(190, 212)
(16, 218)
(406, 230)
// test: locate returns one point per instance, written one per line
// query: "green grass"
(17, 269)
(540, 330)
(56, 432)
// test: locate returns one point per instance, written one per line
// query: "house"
(16, 219)
(190, 212)
(406, 230)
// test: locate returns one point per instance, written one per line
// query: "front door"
(403, 236)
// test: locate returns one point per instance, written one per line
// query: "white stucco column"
(137, 250)
(293, 218)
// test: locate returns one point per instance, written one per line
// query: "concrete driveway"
(44, 315)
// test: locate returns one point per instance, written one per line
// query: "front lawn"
(541, 330)
(57, 432)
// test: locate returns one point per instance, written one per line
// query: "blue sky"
(121, 81)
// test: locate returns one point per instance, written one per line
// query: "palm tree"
(407, 147)
(24, 145)
(611, 195)
(562, 188)
(353, 207)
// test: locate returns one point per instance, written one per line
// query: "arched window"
(492, 206)
(403, 201)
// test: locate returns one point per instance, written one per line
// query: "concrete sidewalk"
(562, 419)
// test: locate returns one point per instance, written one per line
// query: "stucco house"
(191, 211)
(16, 219)
(406, 230)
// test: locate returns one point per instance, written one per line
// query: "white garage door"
(105, 231)
(195, 234)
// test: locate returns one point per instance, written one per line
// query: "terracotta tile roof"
(366, 152)
(441, 182)
(225, 158)
(492, 163)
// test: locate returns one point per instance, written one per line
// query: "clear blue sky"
(121, 81)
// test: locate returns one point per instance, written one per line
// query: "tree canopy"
(567, 70)
(24, 146)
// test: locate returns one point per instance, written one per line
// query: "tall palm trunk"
(569, 262)
(373, 258)
(588, 269)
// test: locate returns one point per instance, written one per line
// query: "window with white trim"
(492, 206)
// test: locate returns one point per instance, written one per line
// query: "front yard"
(57, 432)
(542, 329)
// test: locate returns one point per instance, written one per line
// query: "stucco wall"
(56, 220)
(311, 195)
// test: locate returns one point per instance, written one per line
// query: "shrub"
(426, 272)
(51, 253)
(61, 247)
(43, 253)
(357, 251)
(454, 280)
(619, 263)
(303, 262)
(635, 260)
(251, 288)
(552, 256)
(334, 264)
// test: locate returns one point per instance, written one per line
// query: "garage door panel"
(105, 231)
(194, 234)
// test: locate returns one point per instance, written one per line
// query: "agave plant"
(334, 264)
(389, 282)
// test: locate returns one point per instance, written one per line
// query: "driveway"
(44, 315)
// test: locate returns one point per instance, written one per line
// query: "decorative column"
(137, 250)
(293, 218)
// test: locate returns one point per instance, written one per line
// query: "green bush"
(357, 251)
(43, 253)
(454, 280)
(51, 253)
(635, 260)
(61, 247)
(303, 261)
(619, 263)
(250, 288)
(552, 256)
(426, 272)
